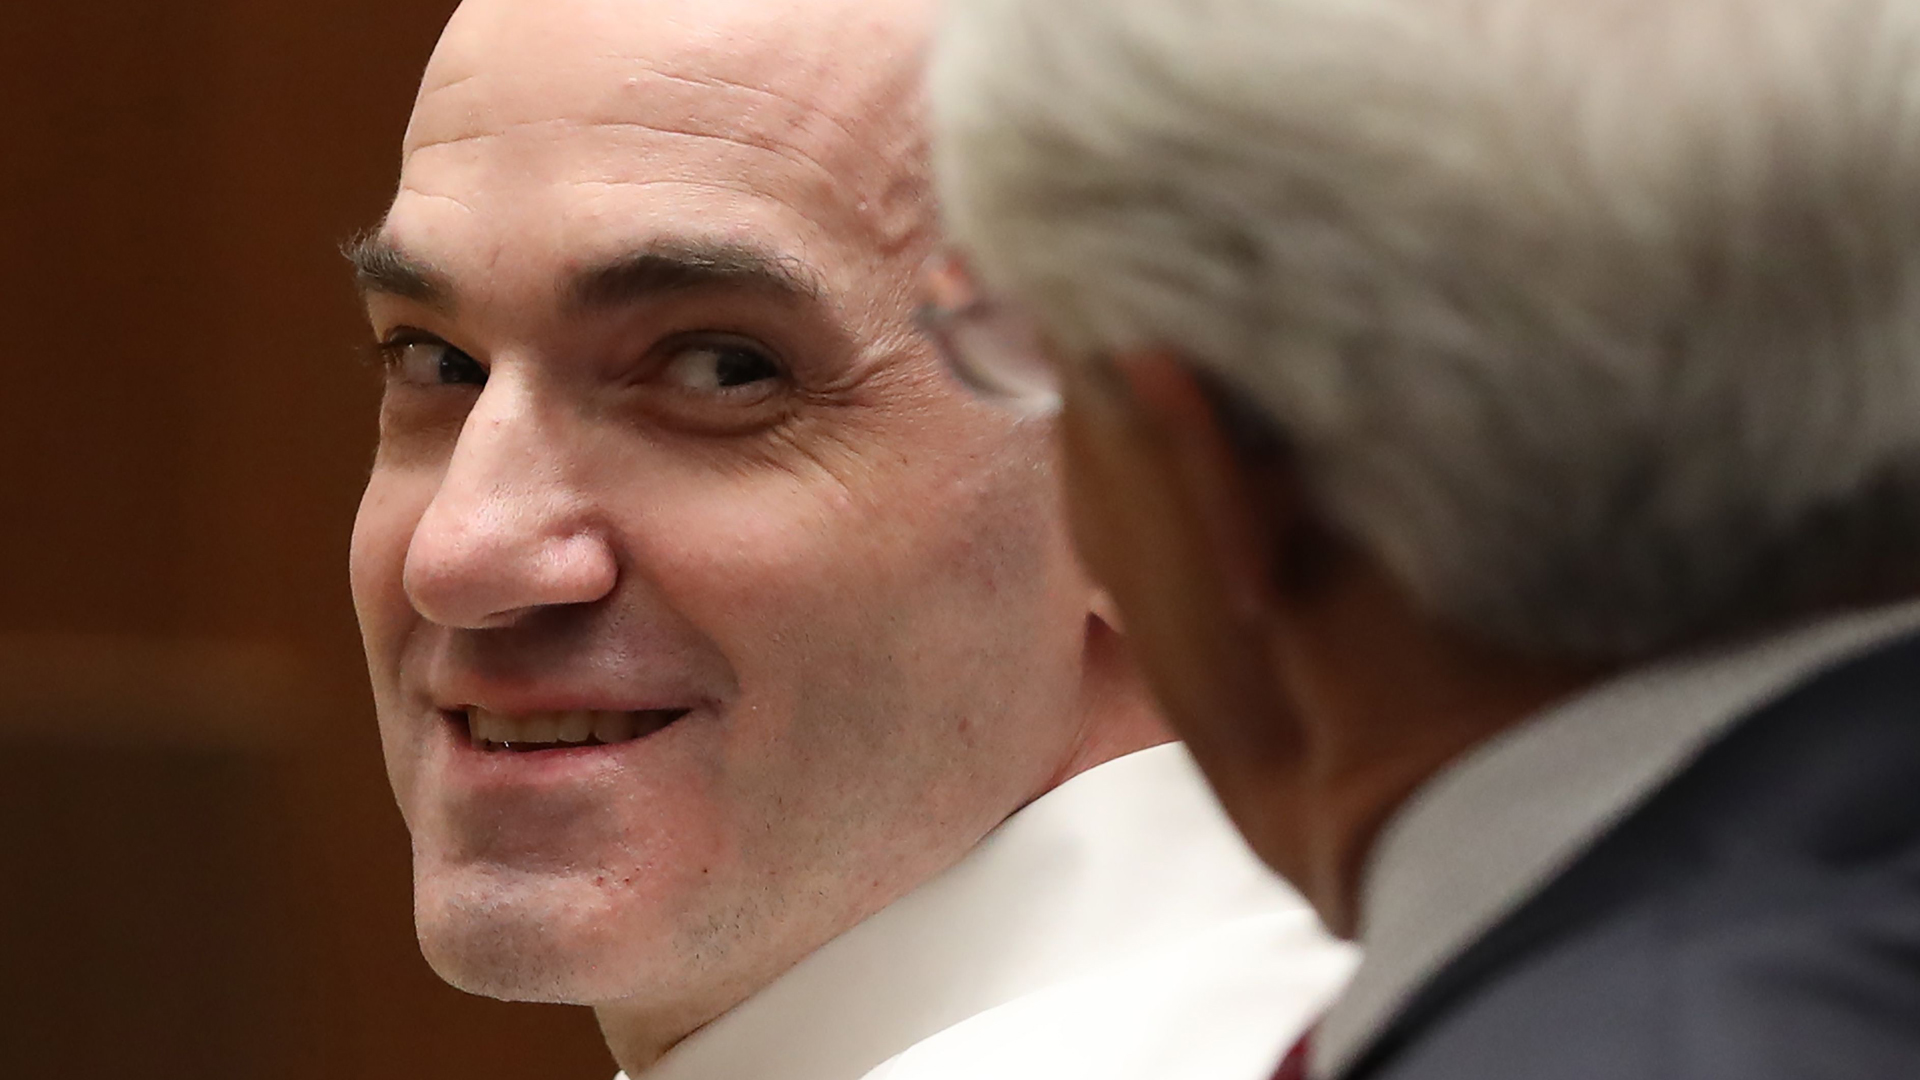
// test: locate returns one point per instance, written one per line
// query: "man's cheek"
(726, 552)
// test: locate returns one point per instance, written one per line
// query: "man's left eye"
(719, 366)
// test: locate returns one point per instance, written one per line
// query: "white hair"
(1597, 321)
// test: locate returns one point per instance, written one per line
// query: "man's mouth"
(531, 732)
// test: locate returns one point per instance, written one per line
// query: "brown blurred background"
(201, 871)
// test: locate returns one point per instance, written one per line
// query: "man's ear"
(1159, 505)
(1172, 519)
(1251, 510)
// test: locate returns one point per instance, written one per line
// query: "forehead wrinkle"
(831, 117)
(830, 206)
(610, 85)
(435, 88)
(731, 188)
(785, 151)
(412, 189)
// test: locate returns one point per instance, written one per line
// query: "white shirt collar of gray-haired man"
(1583, 335)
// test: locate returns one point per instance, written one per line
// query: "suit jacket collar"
(1487, 835)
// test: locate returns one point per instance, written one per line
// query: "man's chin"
(544, 940)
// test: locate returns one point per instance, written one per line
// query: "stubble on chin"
(542, 937)
(514, 936)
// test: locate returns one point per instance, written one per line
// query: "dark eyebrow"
(677, 265)
(381, 267)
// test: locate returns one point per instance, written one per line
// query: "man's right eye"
(431, 362)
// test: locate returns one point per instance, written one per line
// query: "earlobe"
(1106, 610)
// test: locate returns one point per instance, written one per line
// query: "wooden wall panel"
(201, 871)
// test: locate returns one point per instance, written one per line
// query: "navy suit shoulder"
(1757, 919)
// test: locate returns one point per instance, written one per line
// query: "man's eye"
(719, 366)
(432, 363)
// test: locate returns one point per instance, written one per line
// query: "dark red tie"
(1294, 1065)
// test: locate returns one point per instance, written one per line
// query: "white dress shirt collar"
(1124, 858)
(1487, 832)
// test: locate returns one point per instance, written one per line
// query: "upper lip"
(453, 697)
(453, 680)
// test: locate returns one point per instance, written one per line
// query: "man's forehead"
(506, 63)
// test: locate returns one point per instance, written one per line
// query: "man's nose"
(507, 534)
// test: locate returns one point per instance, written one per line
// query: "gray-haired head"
(1598, 323)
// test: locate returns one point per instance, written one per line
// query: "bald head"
(803, 112)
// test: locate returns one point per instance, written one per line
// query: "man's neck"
(1357, 803)
(639, 1035)
(1391, 698)
(1117, 713)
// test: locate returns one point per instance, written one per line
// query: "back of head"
(1598, 323)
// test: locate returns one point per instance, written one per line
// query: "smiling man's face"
(705, 615)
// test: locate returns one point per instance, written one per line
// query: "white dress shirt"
(1117, 927)
(1488, 832)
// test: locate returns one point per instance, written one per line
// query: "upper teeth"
(576, 726)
